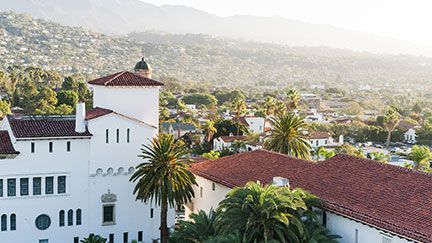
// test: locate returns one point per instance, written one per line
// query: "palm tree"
(280, 108)
(288, 136)
(269, 106)
(239, 106)
(164, 177)
(263, 213)
(421, 156)
(293, 99)
(200, 228)
(238, 145)
(209, 129)
(92, 238)
(391, 121)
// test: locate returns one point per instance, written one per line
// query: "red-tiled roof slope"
(319, 135)
(125, 78)
(229, 139)
(44, 128)
(6, 146)
(258, 165)
(97, 112)
(385, 196)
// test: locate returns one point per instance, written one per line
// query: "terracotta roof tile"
(97, 112)
(388, 197)
(44, 127)
(6, 146)
(125, 78)
(229, 139)
(319, 135)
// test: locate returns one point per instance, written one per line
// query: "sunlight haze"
(405, 20)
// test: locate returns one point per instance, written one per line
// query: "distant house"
(312, 101)
(253, 123)
(323, 139)
(178, 129)
(409, 130)
(225, 142)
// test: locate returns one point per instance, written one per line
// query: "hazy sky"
(404, 19)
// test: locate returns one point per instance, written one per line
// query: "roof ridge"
(116, 76)
(379, 164)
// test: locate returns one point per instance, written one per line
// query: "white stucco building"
(64, 177)
(323, 139)
(364, 201)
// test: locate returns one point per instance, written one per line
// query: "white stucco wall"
(256, 124)
(349, 229)
(141, 103)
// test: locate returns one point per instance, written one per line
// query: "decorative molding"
(109, 197)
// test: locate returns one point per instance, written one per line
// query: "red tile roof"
(44, 128)
(319, 135)
(388, 197)
(97, 112)
(125, 78)
(6, 146)
(229, 139)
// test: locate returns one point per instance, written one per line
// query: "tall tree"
(391, 121)
(293, 99)
(288, 136)
(164, 177)
(269, 106)
(239, 107)
(210, 130)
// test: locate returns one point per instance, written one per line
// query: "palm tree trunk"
(163, 219)
(388, 139)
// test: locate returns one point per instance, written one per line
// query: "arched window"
(62, 218)
(13, 222)
(78, 217)
(70, 217)
(3, 222)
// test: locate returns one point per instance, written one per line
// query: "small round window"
(43, 221)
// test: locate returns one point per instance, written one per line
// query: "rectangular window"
(108, 214)
(1, 187)
(125, 237)
(76, 239)
(151, 213)
(127, 135)
(118, 135)
(37, 186)
(24, 186)
(49, 185)
(107, 136)
(50, 144)
(61, 184)
(111, 238)
(356, 235)
(43, 241)
(32, 147)
(68, 146)
(11, 187)
(140, 236)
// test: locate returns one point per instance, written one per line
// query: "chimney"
(280, 181)
(80, 125)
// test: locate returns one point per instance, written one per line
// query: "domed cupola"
(143, 68)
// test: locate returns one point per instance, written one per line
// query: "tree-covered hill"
(25, 41)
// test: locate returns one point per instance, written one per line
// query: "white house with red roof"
(323, 139)
(362, 200)
(64, 177)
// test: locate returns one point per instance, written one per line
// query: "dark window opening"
(140, 236)
(37, 182)
(32, 147)
(13, 222)
(107, 136)
(50, 147)
(78, 217)
(49, 185)
(70, 217)
(68, 146)
(61, 184)
(125, 237)
(118, 136)
(62, 218)
(108, 214)
(11, 187)
(24, 186)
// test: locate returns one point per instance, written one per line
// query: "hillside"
(27, 41)
(124, 16)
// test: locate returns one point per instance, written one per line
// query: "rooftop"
(44, 127)
(319, 135)
(125, 78)
(6, 146)
(229, 139)
(391, 198)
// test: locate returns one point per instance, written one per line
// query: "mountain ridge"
(124, 16)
